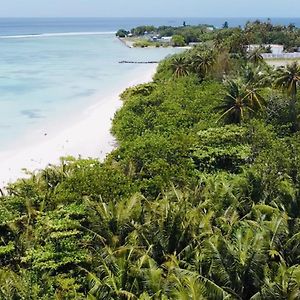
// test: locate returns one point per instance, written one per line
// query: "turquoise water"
(42, 78)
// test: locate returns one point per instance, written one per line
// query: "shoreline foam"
(88, 137)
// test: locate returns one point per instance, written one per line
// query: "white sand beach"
(88, 135)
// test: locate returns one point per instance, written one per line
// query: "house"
(166, 39)
(154, 38)
(276, 49)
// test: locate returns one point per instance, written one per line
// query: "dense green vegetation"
(199, 201)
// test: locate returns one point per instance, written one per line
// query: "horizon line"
(148, 17)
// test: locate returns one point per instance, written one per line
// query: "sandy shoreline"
(88, 136)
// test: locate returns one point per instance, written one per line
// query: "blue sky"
(150, 8)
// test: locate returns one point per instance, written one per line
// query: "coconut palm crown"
(239, 101)
(180, 67)
(288, 78)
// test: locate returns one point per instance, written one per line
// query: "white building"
(166, 39)
(275, 49)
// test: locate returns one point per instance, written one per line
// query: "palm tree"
(288, 78)
(255, 56)
(189, 288)
(236, 261)
(11, 285)
(17, 285)
(180, 67)
(281, 284)
(203, 62)
(257, 76)
(239, 100)
(255, 100)
(114, 280)
(115, 218)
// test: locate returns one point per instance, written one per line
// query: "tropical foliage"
(200, 200)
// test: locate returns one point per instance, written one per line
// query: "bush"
(122, 33)
(142, 44)
(178, 41)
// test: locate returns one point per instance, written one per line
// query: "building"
(275, 49)
(166, 39)
(155, 38)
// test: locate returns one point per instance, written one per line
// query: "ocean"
(51, 69)
(28, 26)
(50, 66)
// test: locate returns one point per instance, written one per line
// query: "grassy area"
(278, 62)
(142, 43)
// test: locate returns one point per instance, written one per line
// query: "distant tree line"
(257, 32)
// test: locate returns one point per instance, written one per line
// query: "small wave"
(24, 36)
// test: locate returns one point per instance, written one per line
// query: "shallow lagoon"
(45, 77)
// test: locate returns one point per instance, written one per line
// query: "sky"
(149, 8)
